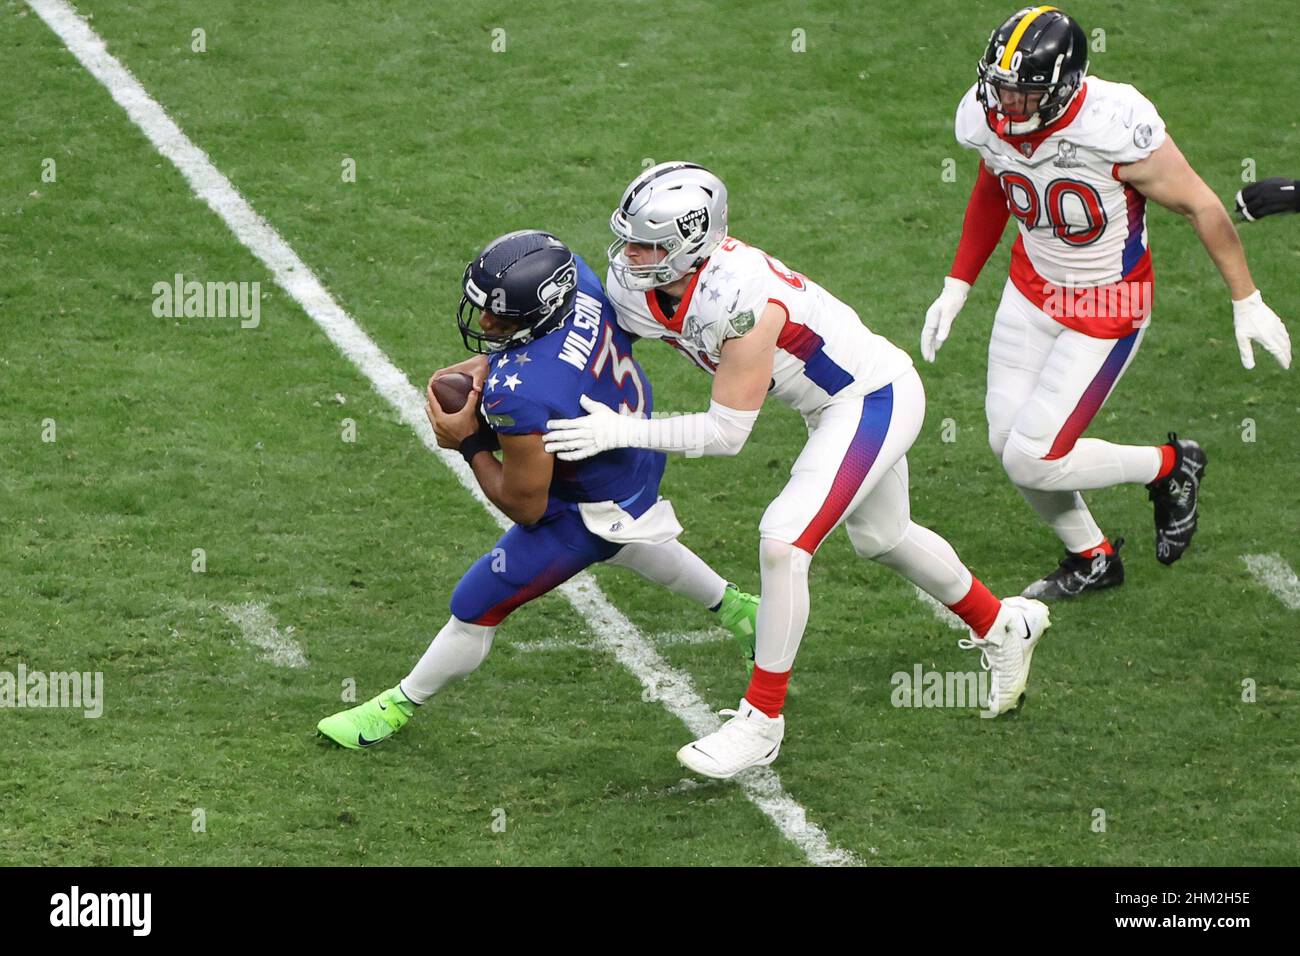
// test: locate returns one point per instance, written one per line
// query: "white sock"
(783, 610)
(674, 566)
(456, 652)
(1067, 514)
(929, 562)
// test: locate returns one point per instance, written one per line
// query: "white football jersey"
(823, 352)
(1080, 226)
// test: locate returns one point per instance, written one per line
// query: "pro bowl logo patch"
(694, 225)
(1065, 155)
(1143, 135)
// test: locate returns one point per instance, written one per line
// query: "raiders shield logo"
(694, 225)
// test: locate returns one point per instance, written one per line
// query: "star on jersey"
(504, 360)
(512, 381)
(522, 358)
(492, 382)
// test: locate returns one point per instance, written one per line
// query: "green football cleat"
(738, 613)
(367, 724)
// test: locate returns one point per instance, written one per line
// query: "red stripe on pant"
(873, 426)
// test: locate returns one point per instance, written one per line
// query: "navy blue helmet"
(528, 278)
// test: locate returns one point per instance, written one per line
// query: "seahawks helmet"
(527, 277)
(678, 207)
(1037, 51)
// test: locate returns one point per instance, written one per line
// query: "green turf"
(181, 434)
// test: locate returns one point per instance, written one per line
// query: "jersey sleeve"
(515, 413)
(971, 126)
(1136, 129)
(739, 308)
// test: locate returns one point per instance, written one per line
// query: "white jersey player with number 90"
(1074, 159)
(760, 328)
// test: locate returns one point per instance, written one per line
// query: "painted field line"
(613, 631)
(1272, 571)
(665, 639)
(940, 611)
(257, 626)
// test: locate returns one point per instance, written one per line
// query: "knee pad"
(776, 556)
(879, 538)
(1026, 469)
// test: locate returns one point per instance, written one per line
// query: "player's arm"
(740, 384)
(981, 231)
(1167, 178)
(519, 483)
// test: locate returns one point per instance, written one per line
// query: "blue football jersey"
(589, 354)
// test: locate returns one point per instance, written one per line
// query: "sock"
(1168, 461)
(1105, 548)
(456, 652)
(979, 608)
(767, 691)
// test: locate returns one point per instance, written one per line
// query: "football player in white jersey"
(1075, 158)
(759, 328)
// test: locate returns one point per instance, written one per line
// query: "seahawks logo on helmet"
(694, 225)
(553, 291)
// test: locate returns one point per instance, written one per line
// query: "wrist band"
(485, 439)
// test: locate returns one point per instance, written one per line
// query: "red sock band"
(1168, 457)
(979, 608)
(767, 691)
(1105, 548)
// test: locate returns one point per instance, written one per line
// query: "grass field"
(181, 434)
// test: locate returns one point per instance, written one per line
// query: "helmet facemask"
(1049, 99)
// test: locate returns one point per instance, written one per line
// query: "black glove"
(1268, 197)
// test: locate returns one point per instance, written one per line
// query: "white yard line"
(1272, 571)
(257, 626)
(665, 639)
(612, 630)
(941, 612)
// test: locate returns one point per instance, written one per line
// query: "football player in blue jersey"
(546, 336)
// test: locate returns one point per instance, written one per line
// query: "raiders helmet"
(1037, 51)
(527, 277)
(678, 207)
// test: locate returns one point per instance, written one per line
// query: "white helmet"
(680, 207)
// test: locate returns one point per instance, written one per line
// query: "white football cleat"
(1008, 647)
(749, 739)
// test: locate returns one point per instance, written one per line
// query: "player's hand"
(452, 429)
(938, 318)
(574, 439)
(1256, 322)
(1268, 197)
(476, 367)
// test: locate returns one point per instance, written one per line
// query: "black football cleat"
(1076, 575)
(1175, 500)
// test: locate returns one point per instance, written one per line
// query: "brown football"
(452, 390)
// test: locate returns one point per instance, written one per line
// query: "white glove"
(1253, 321)
(574, 439)
(938, 318)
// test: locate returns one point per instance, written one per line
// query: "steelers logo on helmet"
(1032, 69)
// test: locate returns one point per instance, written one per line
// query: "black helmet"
(528, 277)
(1036, 51)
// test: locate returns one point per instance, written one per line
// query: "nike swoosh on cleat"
(361, 741)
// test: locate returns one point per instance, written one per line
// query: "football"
(452, 390)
